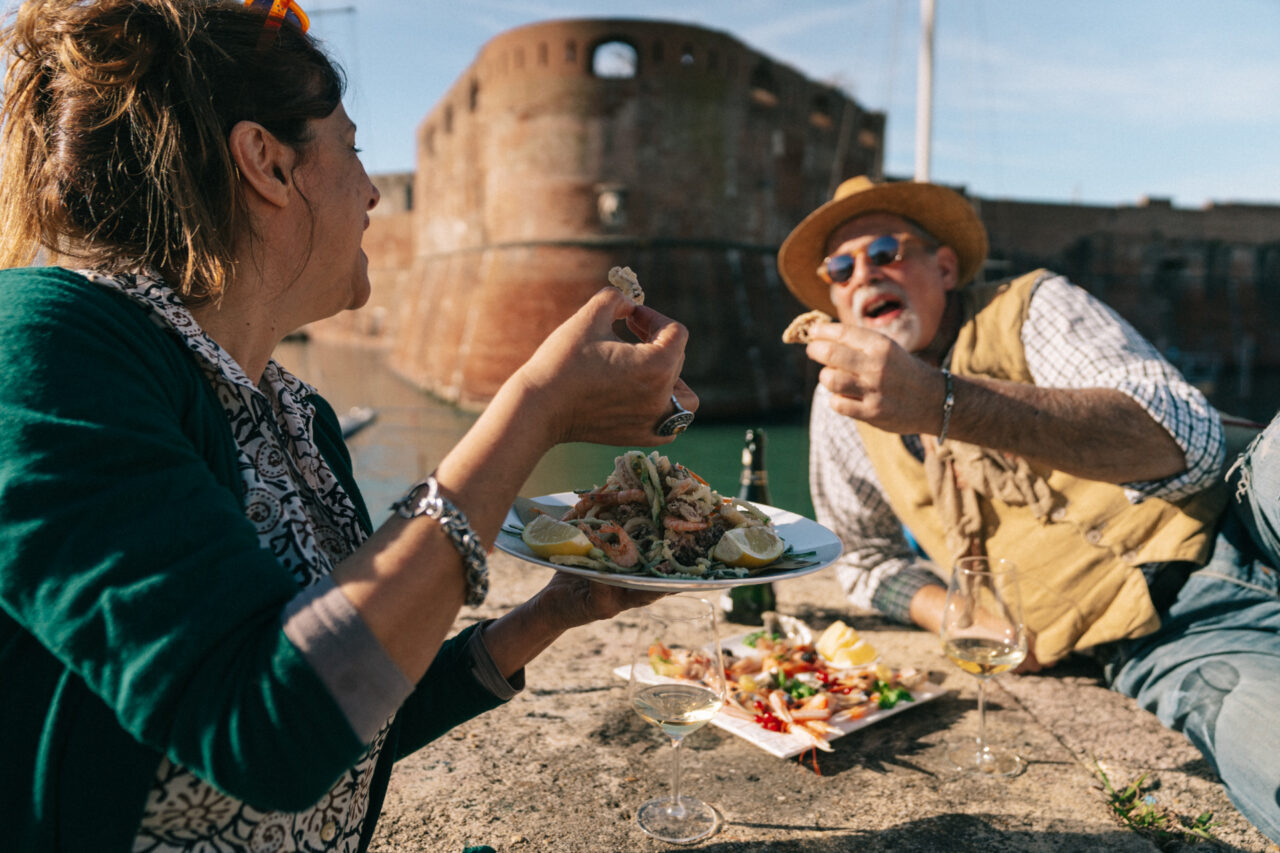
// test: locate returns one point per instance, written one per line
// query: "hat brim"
(942, 212)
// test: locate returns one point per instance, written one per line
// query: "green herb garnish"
(797, 689)
(890, 696)
(754, 637)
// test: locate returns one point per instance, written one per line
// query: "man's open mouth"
(882, 306)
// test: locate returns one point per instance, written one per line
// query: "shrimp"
(815, 733)
(778, 704)
(681, 525)
(602, 498)
(614, 542)
(814, 708)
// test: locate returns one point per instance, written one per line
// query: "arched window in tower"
(571, 52)
(542, 53)
(611, 206)
(686, 55)
(657, 52)
(448, 119)
(764, 91)
(820, 113)
(473, 95)
(615, 59)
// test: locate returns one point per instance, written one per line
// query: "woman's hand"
(571, 600)
(584, 383)
(567, 601)
(590, 385)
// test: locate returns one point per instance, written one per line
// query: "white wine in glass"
(677, 683)
(983, 634)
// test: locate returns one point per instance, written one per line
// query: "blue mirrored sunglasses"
(880, 252)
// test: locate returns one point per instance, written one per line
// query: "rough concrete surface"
(565, 764)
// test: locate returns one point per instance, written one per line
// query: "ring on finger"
(675, 423)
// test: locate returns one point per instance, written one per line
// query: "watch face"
(675, 424)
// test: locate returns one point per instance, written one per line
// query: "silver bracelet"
(948, 403)
(455, 524)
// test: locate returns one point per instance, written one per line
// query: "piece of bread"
(798, 331)
(625, 280)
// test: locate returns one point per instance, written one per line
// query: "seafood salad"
(654, 516)
(787, 685)
(781, 681)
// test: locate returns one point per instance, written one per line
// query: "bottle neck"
(753, 483)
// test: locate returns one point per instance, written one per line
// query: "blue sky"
(1093, 101)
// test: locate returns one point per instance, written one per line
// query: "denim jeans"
(1212, 671)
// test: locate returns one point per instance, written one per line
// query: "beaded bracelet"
(455, 524)
(948, 403)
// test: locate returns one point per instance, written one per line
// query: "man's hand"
(926, 611)
(1096, 433)
(875, 380)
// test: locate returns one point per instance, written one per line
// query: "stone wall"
(1202, 284)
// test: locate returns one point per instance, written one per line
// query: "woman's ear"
(264, 162)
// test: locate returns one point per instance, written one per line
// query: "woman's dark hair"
(116, 116)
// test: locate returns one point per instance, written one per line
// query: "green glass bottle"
(746, 605)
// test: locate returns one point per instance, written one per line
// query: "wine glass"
(982, 633)
(677, 683)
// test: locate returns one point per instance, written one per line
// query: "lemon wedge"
(548, 537)
(748, 547)
(842, 645)
(859, 655)
(838, 635)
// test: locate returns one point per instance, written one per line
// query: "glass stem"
(982, 715)
(677, 808)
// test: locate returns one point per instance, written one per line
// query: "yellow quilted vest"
(1080, 581)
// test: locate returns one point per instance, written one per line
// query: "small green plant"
(1144, 815)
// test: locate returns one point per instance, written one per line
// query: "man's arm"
(1074, 341)
(1095, 433)
(1101, 390)
(1105, 415)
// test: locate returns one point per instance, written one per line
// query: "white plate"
(800, 533)
(785, 744)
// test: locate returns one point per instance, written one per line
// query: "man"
(1026, 420)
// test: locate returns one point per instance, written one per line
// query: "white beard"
(904, 330)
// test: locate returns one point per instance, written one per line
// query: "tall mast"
(924, 91)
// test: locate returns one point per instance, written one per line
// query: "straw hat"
(942, 212)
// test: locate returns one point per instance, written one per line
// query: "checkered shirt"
(1072, 341)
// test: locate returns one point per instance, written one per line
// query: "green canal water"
(413, 431)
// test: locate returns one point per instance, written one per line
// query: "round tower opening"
(615, 59)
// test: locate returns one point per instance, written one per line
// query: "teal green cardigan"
(140, 617)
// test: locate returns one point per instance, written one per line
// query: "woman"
(202, 644)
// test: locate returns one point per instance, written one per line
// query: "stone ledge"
(563, 766)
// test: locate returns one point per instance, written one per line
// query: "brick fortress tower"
(571, 146)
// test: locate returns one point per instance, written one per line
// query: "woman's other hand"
(590, 385)
(567, 601)
(570, 600)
